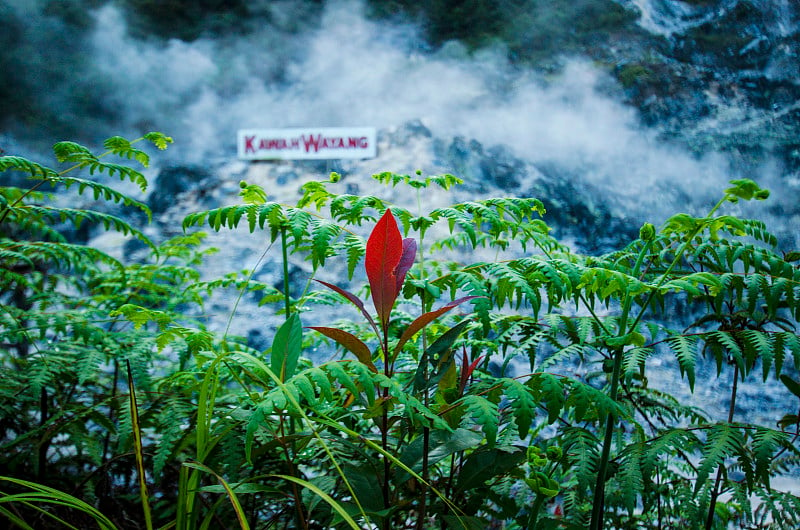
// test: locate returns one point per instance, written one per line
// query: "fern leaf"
(585, 398)
(758, 345)
(685, 348)
(355, 248)
(19, 163)
(580, 448)
(550, 391)
(122, 147)
(522, 403)
(322, 236)
(766, 443)
(723, 441)
(484, 413)
(160, 140)
(631, 480)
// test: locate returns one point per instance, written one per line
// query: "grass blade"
(324, 496)
(137, 443)
(237, 506)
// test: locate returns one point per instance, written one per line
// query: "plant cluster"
(514, 391)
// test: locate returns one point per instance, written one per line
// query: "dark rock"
(497, 166)
(503, 168)
(577, 212)
(271, 272)
(257, 340)
(408, 132)
(466, 159)
(174, 181)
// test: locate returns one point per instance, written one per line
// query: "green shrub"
(126, 412)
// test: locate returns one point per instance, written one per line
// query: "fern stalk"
(286, 299)
(598, 506)
(599, 491)
(45, 443)
(299, 515)
(715, 491)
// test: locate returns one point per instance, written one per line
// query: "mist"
(346, 70)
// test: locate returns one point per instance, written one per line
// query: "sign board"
(325, 143)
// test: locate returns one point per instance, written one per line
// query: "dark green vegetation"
(118, 407)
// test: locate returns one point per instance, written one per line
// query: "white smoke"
(350, 71)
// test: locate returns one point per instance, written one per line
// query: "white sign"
(307, 143)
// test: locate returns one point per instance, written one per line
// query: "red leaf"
(406, 261)
(384, 252)
(466, 370)
(425, 319)
(351, 343)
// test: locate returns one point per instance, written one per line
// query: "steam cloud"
(350, 71)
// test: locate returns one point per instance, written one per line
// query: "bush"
(119, 408)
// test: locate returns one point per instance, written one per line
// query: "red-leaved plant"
(388, 259)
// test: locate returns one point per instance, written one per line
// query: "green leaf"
(286, 347)
(723, 441)
(441, 444)
(791, 384)
(484, 413)
(486, 464)
(522, 403)
(685, 349)
(550, 391)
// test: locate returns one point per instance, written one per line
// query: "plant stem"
(423, 503)
(618, 352)
(107, 440)
(385, 427)
(45, 443)
(715, 492)
(599, 492)
(287, 299)
(426, 431)
(534, 515)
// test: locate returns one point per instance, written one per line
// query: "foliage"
(519, 390)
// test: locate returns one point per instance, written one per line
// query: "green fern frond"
(160, 140)
(511, 286)
(766, 443)
(18, 163)
(355, 247)
(664, 446)
(722, 441)
(77, 216)
(350, 209)
(122, 147)
(522, 403)
(102, 191)
(322, 235)
(62, 256)
(685, 349)
(633, 362)
(484, 413)
(171, 432)
(581, 449)
(631, 478)
(139, 316)
(590, 403)
(445, 181)
(550, 392)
